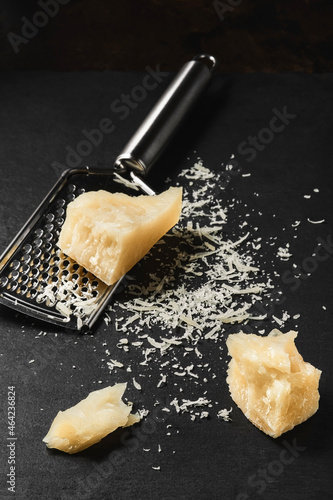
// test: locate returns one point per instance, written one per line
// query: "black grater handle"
(149, 141)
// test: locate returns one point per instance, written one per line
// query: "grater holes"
(37, 252)
(49, 227)
(33, 283)
(35, 262)
(75, 277)
(25, 268)
(42, 269)
(49, 218)
(39, 261)
(45, 267)
(50, 302)
(23, 279)
(42, 240)
(40, 289)
(48, 237)
(22, 290)
(14, 275)
(12, 285)
(37, 243)
(34, 272)
(60, 212)
(3, 281)
(71, 188)
(40, 298)
(75, 273)
(26, 258)
(15, 264)
(38, 233)
(70, 197)
(59, 221)
(55, 260)
(48, 247)
(54, 271)
(60, 203)
(31, 294)
(46, 256)
(42, 285)
(27, 248)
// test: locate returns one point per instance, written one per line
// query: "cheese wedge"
(270, 382)
(107, 233)
(86, 423)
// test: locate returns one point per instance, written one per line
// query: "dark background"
(263, 35)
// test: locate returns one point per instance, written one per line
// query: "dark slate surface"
(44, 113)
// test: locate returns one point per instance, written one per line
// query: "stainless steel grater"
(36, 278)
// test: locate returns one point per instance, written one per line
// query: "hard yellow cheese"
(86, 423)
(270, 382)
(107, 233)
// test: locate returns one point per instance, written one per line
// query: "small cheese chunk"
(270, 382)
(108, 233)
(86, 423)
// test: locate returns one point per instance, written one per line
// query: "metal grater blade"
(37, 278)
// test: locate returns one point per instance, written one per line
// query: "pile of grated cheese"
(201, 278)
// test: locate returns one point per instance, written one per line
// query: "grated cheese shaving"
(114, 363)
(316, 221)
(187, 404)
(284, 253)
(136, 384)
(224, 414)
(125, 182)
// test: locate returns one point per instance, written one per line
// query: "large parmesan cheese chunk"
(86, 423)
(270, 382)
(107, 233)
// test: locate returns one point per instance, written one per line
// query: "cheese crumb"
(136, 384)
(224, 414)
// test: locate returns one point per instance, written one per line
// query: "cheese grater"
(36, 277)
